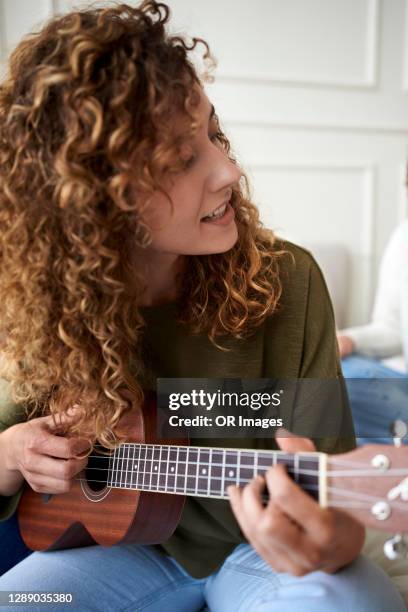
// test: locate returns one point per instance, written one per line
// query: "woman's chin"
(222, 244)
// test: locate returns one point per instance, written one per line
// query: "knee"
(362, 585)
(356, 366)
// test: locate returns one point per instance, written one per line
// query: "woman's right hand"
(47, 461)
(346, 345)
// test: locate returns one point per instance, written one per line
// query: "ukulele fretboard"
(203, 471)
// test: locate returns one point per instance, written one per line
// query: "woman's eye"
(189, 161)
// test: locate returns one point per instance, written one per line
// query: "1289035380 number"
(11, 598)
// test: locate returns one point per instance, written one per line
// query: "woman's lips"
(226, 218)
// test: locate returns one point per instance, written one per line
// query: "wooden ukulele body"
(85, 516)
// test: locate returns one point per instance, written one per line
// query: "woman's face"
(200, 189)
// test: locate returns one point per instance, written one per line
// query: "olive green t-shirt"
(298, 341)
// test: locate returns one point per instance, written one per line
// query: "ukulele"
(136, 493)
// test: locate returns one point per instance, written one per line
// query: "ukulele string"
(363, 500)
(310, 472)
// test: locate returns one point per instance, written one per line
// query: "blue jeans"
(378, 396)
(12, 548)
(127, 578)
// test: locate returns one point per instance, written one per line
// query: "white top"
(386, 337)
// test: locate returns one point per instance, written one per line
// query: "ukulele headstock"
(371, 483)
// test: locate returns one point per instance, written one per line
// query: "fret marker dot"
(172, 468)
(155, 467)
(135, 466)
(204, 471)
(231, 473)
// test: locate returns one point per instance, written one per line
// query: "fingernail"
(282, 432)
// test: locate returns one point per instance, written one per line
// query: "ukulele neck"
(206, 471)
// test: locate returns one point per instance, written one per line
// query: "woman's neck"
(163, 273)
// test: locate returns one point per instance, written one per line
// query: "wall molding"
(369, 81)
(368, 172)
(392, 130)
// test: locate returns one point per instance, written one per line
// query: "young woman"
(378, 351)
(130, 251)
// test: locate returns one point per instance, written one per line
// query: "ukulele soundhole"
(97, 470)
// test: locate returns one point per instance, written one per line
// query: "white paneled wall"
(314, 96)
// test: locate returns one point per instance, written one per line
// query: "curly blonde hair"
(84, 121)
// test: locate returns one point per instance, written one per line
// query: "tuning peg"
(399, 430)
(396, 547)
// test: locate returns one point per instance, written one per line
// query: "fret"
(132, 451)
(164, 463)
(121, 455)
(197, 470)
(168, 467)
(265, 461)
(296, 468)
(310, 482)
(203, 476)
(210, 451)
(155, 468)
(115, 478)
(116, 469)
(128, 474)
(286, 460)
(177, 468)
(191, 472)
(149, 466)
(130, 465)
(172, 469)
(113, 458)
(139, 467)
(247, 468)
(216, 471)
(181, 480)
(275, 458)
(125, 465)
(123, 469)
(238, 467)
(144, 466)
(122, 480)
(230, 470)
(160, 464)
(223, 473)
(136, 466)
(109, 469)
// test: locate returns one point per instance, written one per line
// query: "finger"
(292, 500)
(61, 419)
(46, 484)
(290, 443)
(57, 468)
(280, 542)
(45, 443)
(251, 498)
(234, 494)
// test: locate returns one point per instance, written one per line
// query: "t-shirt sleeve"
(10, 413)
(321, 361)
(382, 337)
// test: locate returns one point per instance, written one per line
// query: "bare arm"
(10, 480)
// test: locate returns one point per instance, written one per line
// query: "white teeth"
(218, 212)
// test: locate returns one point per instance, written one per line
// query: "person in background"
(379, 350)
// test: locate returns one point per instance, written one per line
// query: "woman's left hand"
(293, 533)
